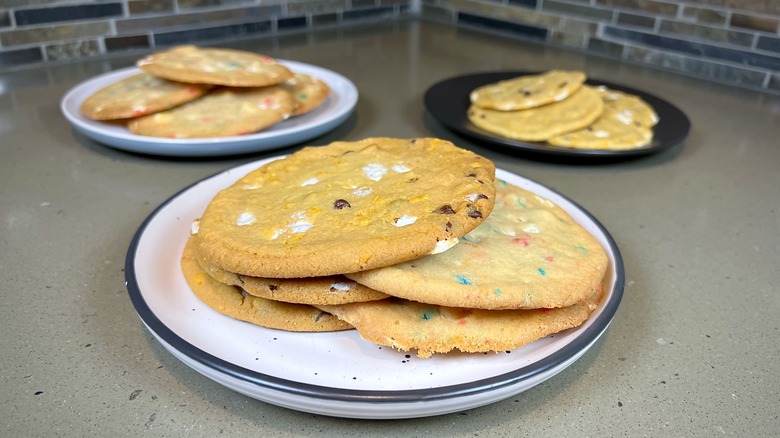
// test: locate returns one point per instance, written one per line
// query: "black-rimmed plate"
(448, 100)
(337, 374)
(329, 115)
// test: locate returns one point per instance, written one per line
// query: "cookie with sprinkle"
(347, 207)
(216, 66)
(408, 325)
(139, 95)
(528, 91)
(529, 253)
(307, 91)
(221, 113)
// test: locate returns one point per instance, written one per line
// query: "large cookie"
(625, 123)
(528, 254)
(541, 123)
(307, 91)
(233, 302)
(408, 325)
(313, 290)
(346, 207)
(221, 113)
(528, 91)
(138, 95)
(235, 68)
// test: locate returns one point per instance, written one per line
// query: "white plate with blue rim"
(330, 114)
(338, 374)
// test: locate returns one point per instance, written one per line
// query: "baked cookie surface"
(235, 68)
(541, 123)
(529, 253)
(528, 91)
(625, 123)
(232, 302)
(138, 95)
(307, 91)
(313, 290)
(346, 207)
(221, 113)
(408, 325)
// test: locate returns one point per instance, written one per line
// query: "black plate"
(448, 101)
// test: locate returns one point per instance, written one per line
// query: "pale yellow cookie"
(346, 207)
(541, 123)
(307, 91)
(408, 325)
(138, 95)
(313, 290)
(221, 113)
(232, 302)
(528, 91)
(235, 68)
(626, 123)
(529, 253)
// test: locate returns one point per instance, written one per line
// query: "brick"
(92, 11)
(72, 49)
(115, 44)
(682, 46)
(628, 19)
(709, 33)
(705, 15)
(752, 22)
(492, 24)
(577, 9)
(649, 6)
(54, 33)
(135, 7)
(11, 58)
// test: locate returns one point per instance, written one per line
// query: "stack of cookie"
(411, 242)
(557, 107)
(193, 92)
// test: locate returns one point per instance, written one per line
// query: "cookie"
(528, 91)
(314, 290)
(346, 207)
(231, 301)
(625, 123)
(541, 123)
(221, 113)
(408, 325)
(138, 95)
(307, 91)
(235, 68)
(529, 253)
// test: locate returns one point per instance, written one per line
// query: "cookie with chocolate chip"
(408, 325)
(528, 91)
(529, 253)
(541, 123)
(334, 289)
(216, 66)
(139, 95)
(347, 207)
(221, 113)
(625, 123)
(233, 302)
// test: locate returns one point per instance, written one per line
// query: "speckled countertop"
(692, 351)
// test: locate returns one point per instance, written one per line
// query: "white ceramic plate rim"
(334, 111)
(338, 373)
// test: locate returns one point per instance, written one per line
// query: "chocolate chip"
(475, 214)
(445, 209)
(563, 84)
(341, 204)
(273, 287)
(481, 196)
(471, 175)
(447, 226)
(525, 92)
(414, 179)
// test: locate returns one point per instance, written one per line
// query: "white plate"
(333, 112)
(337, 374)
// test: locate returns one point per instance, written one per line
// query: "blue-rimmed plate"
(337, 374)
(329, 115)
